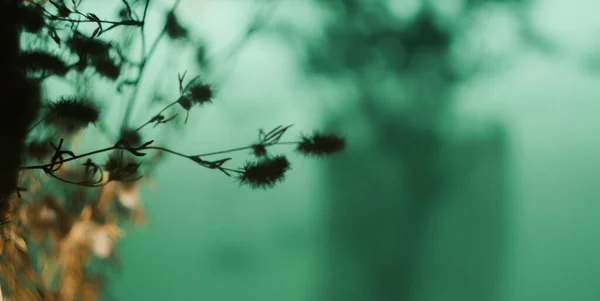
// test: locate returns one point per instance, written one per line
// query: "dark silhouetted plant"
(66, 207)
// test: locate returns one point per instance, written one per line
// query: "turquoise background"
(509, 210)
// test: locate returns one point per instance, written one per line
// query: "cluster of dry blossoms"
(46, 245)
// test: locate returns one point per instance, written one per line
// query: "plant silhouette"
(61, 211)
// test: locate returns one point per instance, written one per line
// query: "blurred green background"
(470, 174)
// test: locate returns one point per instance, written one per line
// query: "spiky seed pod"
(264, 173)
(320, 145)
(196, 94)
(31, 18)
(173, 28)
(71, 114)
(201, 93)
(132, 137)
(85, 46)
(105, 66)
(40, 61)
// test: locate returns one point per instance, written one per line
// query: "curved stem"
(74, 157)
(158, 148)
(99, 184)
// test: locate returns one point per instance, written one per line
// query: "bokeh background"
(471, 171)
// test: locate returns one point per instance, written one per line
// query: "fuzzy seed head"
(264, 173)
(132, 137)
(320, 145)
(106, 67)
(71, 114)
(201, 93)
(174, 28)
(45, 63)
(85, 46)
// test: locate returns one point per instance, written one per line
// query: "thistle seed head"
(45, 63)
(173, 27)
(201, 93)
(106, 67)
(264, 173)
(84, 46)
(72, 113)
(132, 137)
(320, 145)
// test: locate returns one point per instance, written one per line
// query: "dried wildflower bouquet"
(62, 212)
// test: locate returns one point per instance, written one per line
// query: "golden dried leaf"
(20, 243)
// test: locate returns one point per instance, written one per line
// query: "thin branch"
(143, 36)
(125, 22)
(80, 183)
(244, 148)
(43, 166)
(145, 59)
(155, 117)
(158, 148)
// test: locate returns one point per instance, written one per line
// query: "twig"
(158, 148)
(156, 117)
(145, 59)
(125, 22)
(244, 148)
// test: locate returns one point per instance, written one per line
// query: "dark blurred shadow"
(418, 213)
